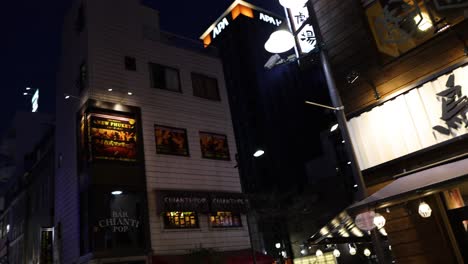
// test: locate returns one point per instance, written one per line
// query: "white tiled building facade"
(96, 44)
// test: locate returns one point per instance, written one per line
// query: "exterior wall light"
(367, 252)
(116, 192)
(277, 245)
(319, 253)
(379, 221)
(424, 210)
(336, 253)
(257, 154)
(334, 127)
(303, 251)
(280, 41)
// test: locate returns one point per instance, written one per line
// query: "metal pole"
(254, 256)
(338, 105)
(341, 117)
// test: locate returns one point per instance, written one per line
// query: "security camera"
(273, 61)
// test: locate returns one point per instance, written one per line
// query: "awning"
(422, 182)
(229, 257)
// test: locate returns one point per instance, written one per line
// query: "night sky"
(30, 43)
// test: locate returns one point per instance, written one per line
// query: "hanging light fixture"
(352, 250)
(319, 253)
(424, 210)
(367, 252)
(379, 221)
(336, 253)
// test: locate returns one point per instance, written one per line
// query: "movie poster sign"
(112, 137)
(171, 140)
(214, 146)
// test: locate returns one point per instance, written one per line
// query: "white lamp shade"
(319, 253)
(379, 221)
(424, 210)
(336, 253)
(280, 41)
(292, 3)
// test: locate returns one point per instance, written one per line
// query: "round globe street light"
(280, 41)
(424, 210)
(319, 253)
(336, 253)
(367, 252)
(379, 221)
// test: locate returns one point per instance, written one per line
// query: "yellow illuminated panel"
(241, 9)
(207, 41)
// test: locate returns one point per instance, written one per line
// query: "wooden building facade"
(401, 69)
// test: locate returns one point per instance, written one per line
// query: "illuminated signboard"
(35, 101)
(237, 8)
(112, 137)
(305, 36)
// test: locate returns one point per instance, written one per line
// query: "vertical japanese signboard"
(302, 28)
(112, 137)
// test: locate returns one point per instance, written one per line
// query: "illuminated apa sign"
(35, 101)
(270, 19)
(220, 27)
(238, 8)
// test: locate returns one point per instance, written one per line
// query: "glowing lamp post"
(280, 41)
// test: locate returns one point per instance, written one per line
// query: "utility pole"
(342, 123)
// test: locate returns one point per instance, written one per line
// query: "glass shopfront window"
(118, 220)
(456, 202)
(225, 219)
(401, 25)
(175, 220)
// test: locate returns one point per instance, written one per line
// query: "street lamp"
(361, 191)
(280, 41)
(292, 3)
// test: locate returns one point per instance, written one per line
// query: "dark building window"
(82, 81)
(130, 63)
(80, 19)
(225, 219)
(205, 87)
(163, 77)
(174, 220)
